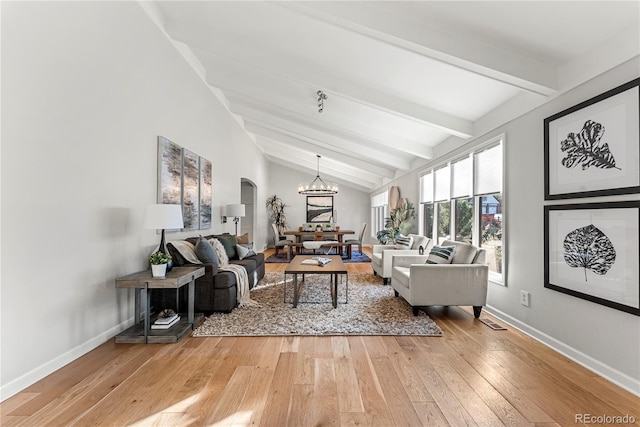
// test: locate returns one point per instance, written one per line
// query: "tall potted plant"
(276, 206)
(397, 223)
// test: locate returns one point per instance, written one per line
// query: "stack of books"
(317, 261)
(165, 322)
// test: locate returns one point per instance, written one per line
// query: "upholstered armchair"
(382, 255)
(463, 282)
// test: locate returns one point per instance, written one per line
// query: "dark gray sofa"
(216, 290)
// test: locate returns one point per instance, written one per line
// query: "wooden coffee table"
(333, 269)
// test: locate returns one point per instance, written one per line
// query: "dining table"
(319, 235)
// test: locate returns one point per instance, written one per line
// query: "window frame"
(458, 155)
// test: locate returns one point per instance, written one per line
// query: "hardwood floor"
(472, 375)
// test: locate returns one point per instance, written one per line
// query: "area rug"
(371, 309)
(356, 256)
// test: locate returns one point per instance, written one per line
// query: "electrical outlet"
(524, 298)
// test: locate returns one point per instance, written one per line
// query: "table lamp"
(163, 217)
(235, 211)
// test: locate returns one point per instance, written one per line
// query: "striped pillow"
(404, 242)
(441, 255)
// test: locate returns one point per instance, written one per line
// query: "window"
(464, 220)
(427, 221)
(488, 184)
(491, 230)
(444, 221)
(462, 200)
(426, 200)
(379, 211)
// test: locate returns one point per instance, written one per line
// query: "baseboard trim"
(620, 379)
(35, 375)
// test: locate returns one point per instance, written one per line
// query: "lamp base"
(163, 248)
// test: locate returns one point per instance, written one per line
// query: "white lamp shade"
(235, 210)
(163, 217)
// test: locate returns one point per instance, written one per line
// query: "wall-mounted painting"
(190, 193)
(592, 149)
(169, 172)
(184, 178)
(206, 193)
(592, 252)
(319, 208)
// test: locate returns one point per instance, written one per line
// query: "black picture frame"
(319, 208)
(608, 125)
(591, 251)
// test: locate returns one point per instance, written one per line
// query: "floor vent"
(493, 325)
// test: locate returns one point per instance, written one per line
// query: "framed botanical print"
(593, 148)
(592, 252)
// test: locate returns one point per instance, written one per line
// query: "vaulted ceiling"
(405, 81)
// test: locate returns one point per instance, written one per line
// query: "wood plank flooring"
(472, 376)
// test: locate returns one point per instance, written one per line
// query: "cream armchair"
(423, 284)
(382, 255)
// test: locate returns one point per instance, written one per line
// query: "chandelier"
(318, 186)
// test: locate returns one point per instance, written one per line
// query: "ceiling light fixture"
(318, 186)
(321, 97)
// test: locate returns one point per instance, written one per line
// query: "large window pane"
(461, 177)
(464, 220)
(444, 221)
(443, 184)
(491, 230)
(428, 219)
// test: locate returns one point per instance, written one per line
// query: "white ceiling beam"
(252, 108)
(350, 90)
(329, 161)
(367, 167)
(332, 140)
(341, 183)
(329, 170)
(445, 46)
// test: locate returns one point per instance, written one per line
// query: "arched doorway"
(248, 197)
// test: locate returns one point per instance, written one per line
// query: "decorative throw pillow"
(441, 255)
(244, 251)
(243, 240)
(205, 251)
(223, 258)
(404, 242)
(229, 242)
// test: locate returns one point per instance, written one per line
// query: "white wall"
(353, 207)
(601, 338)
(86, 89)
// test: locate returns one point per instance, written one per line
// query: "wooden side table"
(142, 282)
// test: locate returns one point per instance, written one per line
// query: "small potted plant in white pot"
(158, 261)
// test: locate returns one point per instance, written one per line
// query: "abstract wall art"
(319, 208)
(184, 178)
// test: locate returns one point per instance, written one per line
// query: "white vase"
(158, 270)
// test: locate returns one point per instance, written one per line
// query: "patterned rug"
(356, 256)
(371, 309)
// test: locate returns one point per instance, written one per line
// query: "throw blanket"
(187, 250)
(242, 280)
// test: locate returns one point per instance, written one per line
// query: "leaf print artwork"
(584, 148)
(589, 248)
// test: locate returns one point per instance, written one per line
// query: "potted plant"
(158, 261)
(398, 222)
(276, 206)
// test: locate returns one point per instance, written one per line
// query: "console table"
(143, 282)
